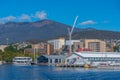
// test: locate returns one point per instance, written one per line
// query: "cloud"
(8, 18)
(40, 15)
(24, 17)
(88, 22)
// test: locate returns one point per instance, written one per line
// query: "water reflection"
(12, 72)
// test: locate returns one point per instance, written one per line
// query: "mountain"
(44, 30)
(96, 34)
(39, 30)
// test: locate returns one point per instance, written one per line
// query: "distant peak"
(90, 29)
(11, 23)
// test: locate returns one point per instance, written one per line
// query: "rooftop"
(98, 54)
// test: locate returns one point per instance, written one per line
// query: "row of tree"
(10, 52)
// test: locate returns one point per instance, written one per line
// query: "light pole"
(70, 34)
(34, 54)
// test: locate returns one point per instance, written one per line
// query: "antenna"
(7, 41)
(70, 33)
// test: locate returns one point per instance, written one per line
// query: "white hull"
(22, 61)
(15, 63)
(0, 62)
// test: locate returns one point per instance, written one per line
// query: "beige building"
(49, 49)
(41, 48)
(90, 45)
(38, 46)
(77, 45)
(95, 45)
(58, 44)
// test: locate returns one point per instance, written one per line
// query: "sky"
(99, 14)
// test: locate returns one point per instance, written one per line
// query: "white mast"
(70, 34)
(34, 54)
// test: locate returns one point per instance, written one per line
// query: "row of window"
(22, 58)
(103, 59)
(56, 61)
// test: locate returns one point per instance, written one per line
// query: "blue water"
(12, 72)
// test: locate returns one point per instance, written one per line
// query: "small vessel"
(86, 66)
(22, 60)
(0, 62)
(34, 59)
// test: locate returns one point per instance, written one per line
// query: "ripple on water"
(11, 72)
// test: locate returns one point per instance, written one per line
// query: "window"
(50, 60)
(67, 60)
(56, 60)
(59, 60)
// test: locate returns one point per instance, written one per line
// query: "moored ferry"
(22, 60)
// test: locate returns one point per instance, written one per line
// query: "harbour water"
(12, 72)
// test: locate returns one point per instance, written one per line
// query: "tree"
(11, 52)
(8, 56)
(116, 48)
(10, 49)
(1, 55)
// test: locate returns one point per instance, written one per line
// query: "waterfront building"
(72, 42)
(36, 51)
(67, 42)
(49, 49)
(41, 48)
(112, 45)
(50, 59)
(90, 45)
(82, 58)
(95, 45)
(58, 44)
(78, 46)
(87, 45)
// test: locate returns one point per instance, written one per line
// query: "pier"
(75, 65)
(69, 65)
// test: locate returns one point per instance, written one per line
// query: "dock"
(69, 65)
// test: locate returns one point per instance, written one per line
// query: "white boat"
(22, 60)
(0, 62)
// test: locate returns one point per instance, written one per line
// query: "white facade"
(52, 59)
(93, 57)
(98, 54)
(58, 43)
(67, 42)
(74, 59)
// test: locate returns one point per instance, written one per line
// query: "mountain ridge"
(47, 29)
(41, 30)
